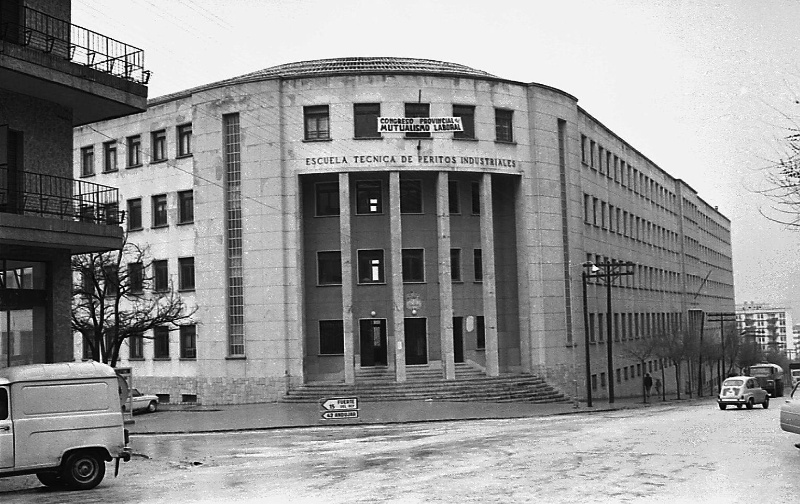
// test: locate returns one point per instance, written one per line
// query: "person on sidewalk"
(648, 384)
(658, 387)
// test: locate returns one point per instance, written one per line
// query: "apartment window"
(467, 115)
(368, 197)
(331, 337)
(188, 336)
(329, 268)
(184, 132)
(480, 331)
(413, 265)
(370, 266)
(161, 342)
(418, 110)
(477, 264)
(186, 273)
(110, 156)
(326, 197)
(134, 214)
(134, 144)
(160, 210)
(136, 346)
(601, 328)
(158, 144)
(455, 265)
(366, 120)
(317, 122)
(592, 338)
(160, 276)
(476, 198)
(411, 196)
(136, 277)
(87, 161)
(453, 203)
(503, 124)
(185, 207)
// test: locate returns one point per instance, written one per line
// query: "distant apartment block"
(769, 326)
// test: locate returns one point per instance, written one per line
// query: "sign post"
(339, 408)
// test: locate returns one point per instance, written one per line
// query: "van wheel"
(152, 407)
(50, 479)
(765, 404)
(750, 403)
(722, 406)
(83, 470)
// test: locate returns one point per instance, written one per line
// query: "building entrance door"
(373, 342)
(416, 341)
(458, 339)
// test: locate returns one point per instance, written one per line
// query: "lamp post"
(696, 319)
(586, 342)
(722, 317)
(608, 271)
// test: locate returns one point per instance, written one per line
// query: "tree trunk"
(678, 378)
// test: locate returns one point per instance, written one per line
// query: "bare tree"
(641, 350)
(113, 298)
(675, 346)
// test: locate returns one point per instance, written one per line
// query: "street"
(675, 452)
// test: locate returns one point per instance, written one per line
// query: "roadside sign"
(341, 404)
(338, 415)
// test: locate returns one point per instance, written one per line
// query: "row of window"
(633, 372)
(316, 119)
(187, 344)
(160, 275)
(371, 266)
(133, 149)
(158, 210)
(632, 325)
(369, 197)
(705, 223)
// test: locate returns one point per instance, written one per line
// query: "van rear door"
(6, 431)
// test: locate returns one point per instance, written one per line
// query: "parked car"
(742, 391)
(790, 412)
(142, 402)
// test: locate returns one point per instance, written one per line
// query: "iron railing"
(58, 197)
(56, 36)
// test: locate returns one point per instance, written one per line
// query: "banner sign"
(419, 124)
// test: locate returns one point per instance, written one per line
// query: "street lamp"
(608, 271)
(696, 319)
(722, 317)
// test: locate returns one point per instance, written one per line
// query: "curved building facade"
(319, 248)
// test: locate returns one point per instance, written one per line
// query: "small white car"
(790, 413)
(742, 391)
(142, 402)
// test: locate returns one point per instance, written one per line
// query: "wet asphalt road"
(672, 453)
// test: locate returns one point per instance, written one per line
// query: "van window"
(3, 404)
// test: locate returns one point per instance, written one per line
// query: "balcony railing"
(58, 197)
(55, 36)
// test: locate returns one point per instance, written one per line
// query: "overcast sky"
(702, 88)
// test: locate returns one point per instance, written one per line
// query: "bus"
(769, 376)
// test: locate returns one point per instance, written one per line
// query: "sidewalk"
(254, 417)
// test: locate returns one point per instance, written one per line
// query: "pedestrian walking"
(658, 386)
(648, 384)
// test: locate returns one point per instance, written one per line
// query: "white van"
(62, 422)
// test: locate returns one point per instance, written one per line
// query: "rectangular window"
(592, 338)
(366, 119)
(411, 196)
(110, 156)
(136, 277)
(161, 342)
(504, 127)
(480, 330)
(368, 197)
(188, 334)
(232, 156)
(413, 265)
(160, 276)
(601, 325)
(418, 110)
(331, 337)
(136, 346)
(134, 145)
(158, 144)
(476, 198)
(329, 268)
(160, 210)
(317, 123)
(370, 266)
(455, 265)
(477, 264)
(467, 115)
(184, 133)
(326, 196)
(453, 203)
(186, 207)
(186, 273)
(134, 214)
(87, 161)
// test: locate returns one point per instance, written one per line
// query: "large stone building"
(53, 76)
(317, 246)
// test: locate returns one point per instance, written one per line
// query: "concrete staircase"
(422, 383)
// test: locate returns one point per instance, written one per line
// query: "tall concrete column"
(396, 278)
(345, 244)
(445, 277)
(489, 281)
